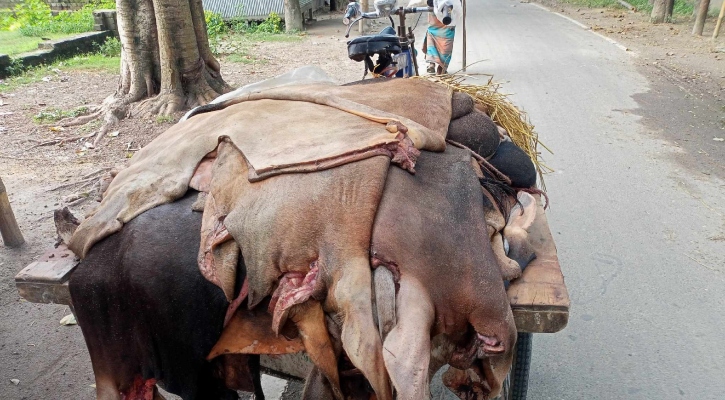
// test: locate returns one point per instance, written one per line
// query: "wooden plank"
(46, 280)
(539, 299)
(9, 230)
(54, 293)
(540, 321)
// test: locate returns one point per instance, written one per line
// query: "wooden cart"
(539, 300)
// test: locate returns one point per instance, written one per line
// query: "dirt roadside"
(49, 360)
(686, 101)
(693, 60)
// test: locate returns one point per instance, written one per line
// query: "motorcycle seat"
(384, 42)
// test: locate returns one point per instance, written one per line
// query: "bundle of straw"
(502, 112)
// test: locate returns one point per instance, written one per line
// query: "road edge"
(587, 28)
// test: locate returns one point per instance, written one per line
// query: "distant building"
(255, 9)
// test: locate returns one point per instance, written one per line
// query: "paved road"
(641, 235)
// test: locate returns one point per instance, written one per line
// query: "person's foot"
(431, 68)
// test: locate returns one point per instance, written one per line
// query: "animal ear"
(523, 213)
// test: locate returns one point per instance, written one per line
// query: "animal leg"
(406, 349)
(317, 387)
(384, 300)
(510, 269)
(106, 389)
(310, 321)
(360, 339)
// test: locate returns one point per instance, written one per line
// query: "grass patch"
(163, 119)
(643, 6)
(55, 114)
(594, 3)
(681, 7)
(272, 37)
(242, 58)
(237, 47)
(92, 62)
(34, 18)
(14, 42)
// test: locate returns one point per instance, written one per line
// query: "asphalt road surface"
(639, 223)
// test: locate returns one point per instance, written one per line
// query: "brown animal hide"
(308, 236)
(249, 332)
(510, 242)
(284, 130)
(432, 226)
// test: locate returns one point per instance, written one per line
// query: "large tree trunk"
(701, 16)
(293, 16)
(165, 58)
(659, 9)
(669, 6)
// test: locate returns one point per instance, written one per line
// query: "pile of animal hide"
(334, 196)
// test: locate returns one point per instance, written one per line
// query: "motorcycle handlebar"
(407, 10)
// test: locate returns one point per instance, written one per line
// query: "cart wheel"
(516, 384)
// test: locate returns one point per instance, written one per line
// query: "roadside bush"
(110, 48)
(6, 19)
(30, 12)
(34, 18)
(273, 24)
(215, 25)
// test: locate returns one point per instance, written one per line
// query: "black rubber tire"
(519, 375)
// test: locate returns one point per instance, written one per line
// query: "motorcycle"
(396, 54)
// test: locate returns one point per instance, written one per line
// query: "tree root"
(62, 140)
(80, 120)
(85, 182)
(163, 104)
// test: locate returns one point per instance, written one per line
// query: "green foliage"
(110, 48)
(13, 42)
(6, 19)
(240, 25)
(30, 12)
(88, 62)
(34, 18)
(162, 119)
(55, 114)
(681, 7)
(273, 24)
(16, 67)
(244, 58)
(215, 25)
